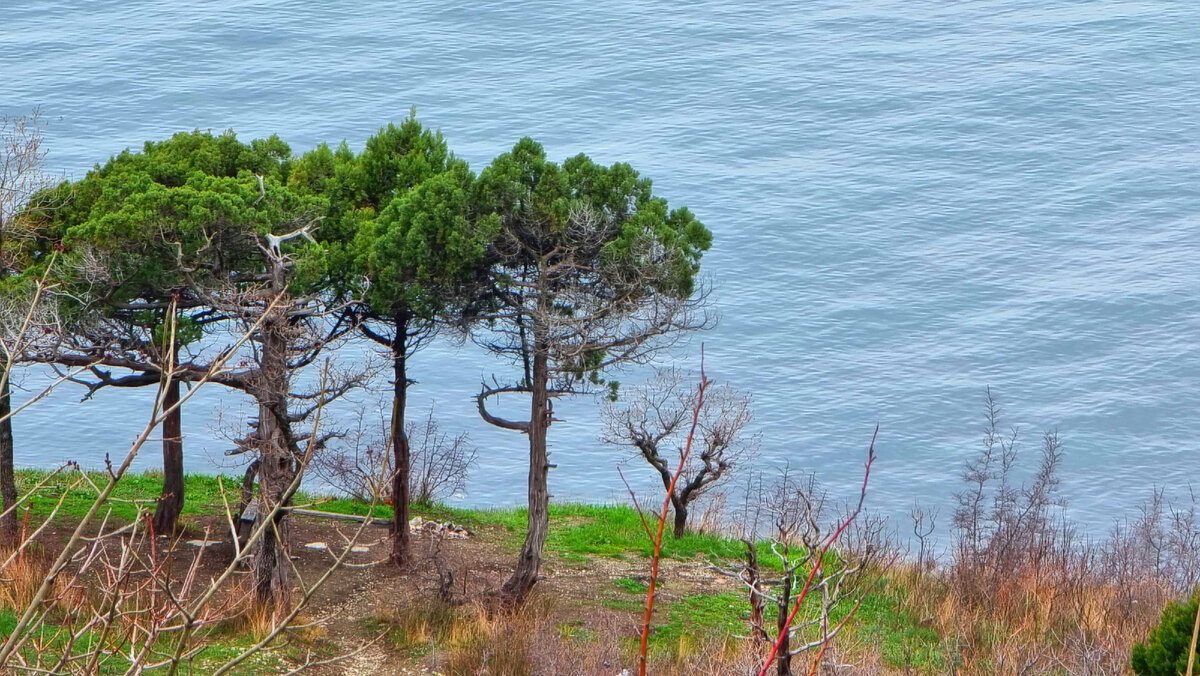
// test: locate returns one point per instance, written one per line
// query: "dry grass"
(544, 638)
(20, 579)
(1060, 619)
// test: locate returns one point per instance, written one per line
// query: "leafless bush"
(440, 462)
(1162, 542)
(1026, 591)
(362, 467)
(1005, 530)
(836, 556)
(359, 465)
(654, 419)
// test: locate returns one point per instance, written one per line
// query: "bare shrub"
(361, 467)
(115, 598)
(1025, 591)
(1162, 541)
(830, 557)
(440, 462)
(359, 464)
(1005, 530)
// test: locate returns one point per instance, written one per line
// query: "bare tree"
(654, 419)
(27, 317)
(838, 555)
(122, 601)
(286, 333)
(21, 176)
(924, 523)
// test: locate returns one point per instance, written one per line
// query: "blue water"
(910, 200)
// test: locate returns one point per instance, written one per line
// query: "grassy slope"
(578, 534)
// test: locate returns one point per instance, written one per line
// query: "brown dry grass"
(1057, 620)
(21, 578)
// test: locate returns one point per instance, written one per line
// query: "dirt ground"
(371, 587)
(579, 594)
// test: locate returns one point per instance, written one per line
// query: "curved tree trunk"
(518, 586)
(401, 539)
(170, 503)
(8, 482)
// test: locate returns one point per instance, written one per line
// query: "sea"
(912, 201)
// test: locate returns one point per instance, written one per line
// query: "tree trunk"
(753, 579)
(277, 468)
(170, 503)
(783, 659)
(401, 539)
(523, 578)
(8, 482)
(9, 535)
(681, 516)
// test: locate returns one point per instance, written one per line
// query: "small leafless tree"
(839, 555)
(362, 467)
(924, 522)
(440, 462)
(655, 419)
(21, 176)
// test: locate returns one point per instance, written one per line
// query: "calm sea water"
(911, 201)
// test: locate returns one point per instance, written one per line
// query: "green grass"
(578, 534)
(203, 495)
(685, 626)
(902, 643)
(220, 648)
(704, 614)
(623, 604)
(577, 630)
(628, 584)
(80, 491)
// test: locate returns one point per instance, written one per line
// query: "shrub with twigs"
(361, 467)
(1024, 588)
(829, 559)
(113, 597)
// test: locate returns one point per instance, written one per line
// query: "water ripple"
(911, 200)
